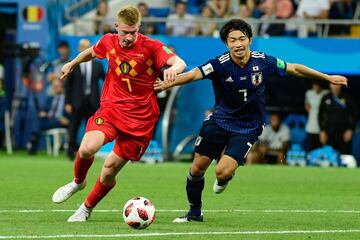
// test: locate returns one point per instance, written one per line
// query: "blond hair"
(129, 15)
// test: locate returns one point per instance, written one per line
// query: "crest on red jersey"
(99, 121)
(125, 67)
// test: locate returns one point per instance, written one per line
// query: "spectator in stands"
(102, 20)
(313, 98)
(82, 95)
(341, 9)
(273, 143)
(243, 8)
(53, 116)
(221, 8)
(64, 56)
(284, 8)
(269, 8)
(205, 27)
(180, 23)
(145, 27)
(310, 9)
(337, 119)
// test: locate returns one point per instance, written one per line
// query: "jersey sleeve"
(276, 65)
(210, 69)
(101, 47)
(161, 53)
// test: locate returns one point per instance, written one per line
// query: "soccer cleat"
(81, 215)
(218, 188)
(188, 218)
(65, 192)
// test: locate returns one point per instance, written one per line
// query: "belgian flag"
(33, 13)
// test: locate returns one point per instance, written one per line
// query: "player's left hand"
(338, 80)
(169, 75)
(160, 85)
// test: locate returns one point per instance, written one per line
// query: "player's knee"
(88, 150)
(198, 170)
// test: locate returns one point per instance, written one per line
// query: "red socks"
(98, 192)
(81, 168)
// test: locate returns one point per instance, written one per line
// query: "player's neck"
(241, 61)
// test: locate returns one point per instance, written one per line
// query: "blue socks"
(194, 188)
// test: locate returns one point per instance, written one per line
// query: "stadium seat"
(324, 157)
(296, 156)
(296, 123)
(55, 135)
(159, 12)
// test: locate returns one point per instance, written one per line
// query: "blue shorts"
(213, 139)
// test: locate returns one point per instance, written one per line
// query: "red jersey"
(129, 81)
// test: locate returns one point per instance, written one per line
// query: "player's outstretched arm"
(303, 71)
(84, 56)
(181, 79)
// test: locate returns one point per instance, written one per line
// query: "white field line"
(281, 232)
(184, 210)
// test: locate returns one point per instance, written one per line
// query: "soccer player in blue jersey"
(238, 78)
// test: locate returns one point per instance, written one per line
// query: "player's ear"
(250, 40)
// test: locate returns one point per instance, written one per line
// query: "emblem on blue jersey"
(198, 140)
(280, 63)
(229, 79)
(208, 68)
(255, 68)
(256, 78)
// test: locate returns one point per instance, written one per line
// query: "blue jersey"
(239, 91)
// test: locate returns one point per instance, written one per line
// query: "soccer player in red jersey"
(128, 109)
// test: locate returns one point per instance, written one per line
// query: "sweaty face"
(127, 34)
(238, 44)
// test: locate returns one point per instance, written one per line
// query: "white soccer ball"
(139, 212)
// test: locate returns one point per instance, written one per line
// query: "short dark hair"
(142, 4)
(233, 25)
(181, 2)
(63, 43)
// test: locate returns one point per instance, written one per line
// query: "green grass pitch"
(262, 202)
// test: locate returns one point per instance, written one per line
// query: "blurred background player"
(273, 143)
(313, 98)
(145, 27)
(128, 109)
(238, 78)
(337, 119)
(82, 95)
(63, 50)
(102, 20)
(52, 116)
(180, 23)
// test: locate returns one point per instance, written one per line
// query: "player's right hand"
(338, 80)
(66, 70)
(160, 85)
